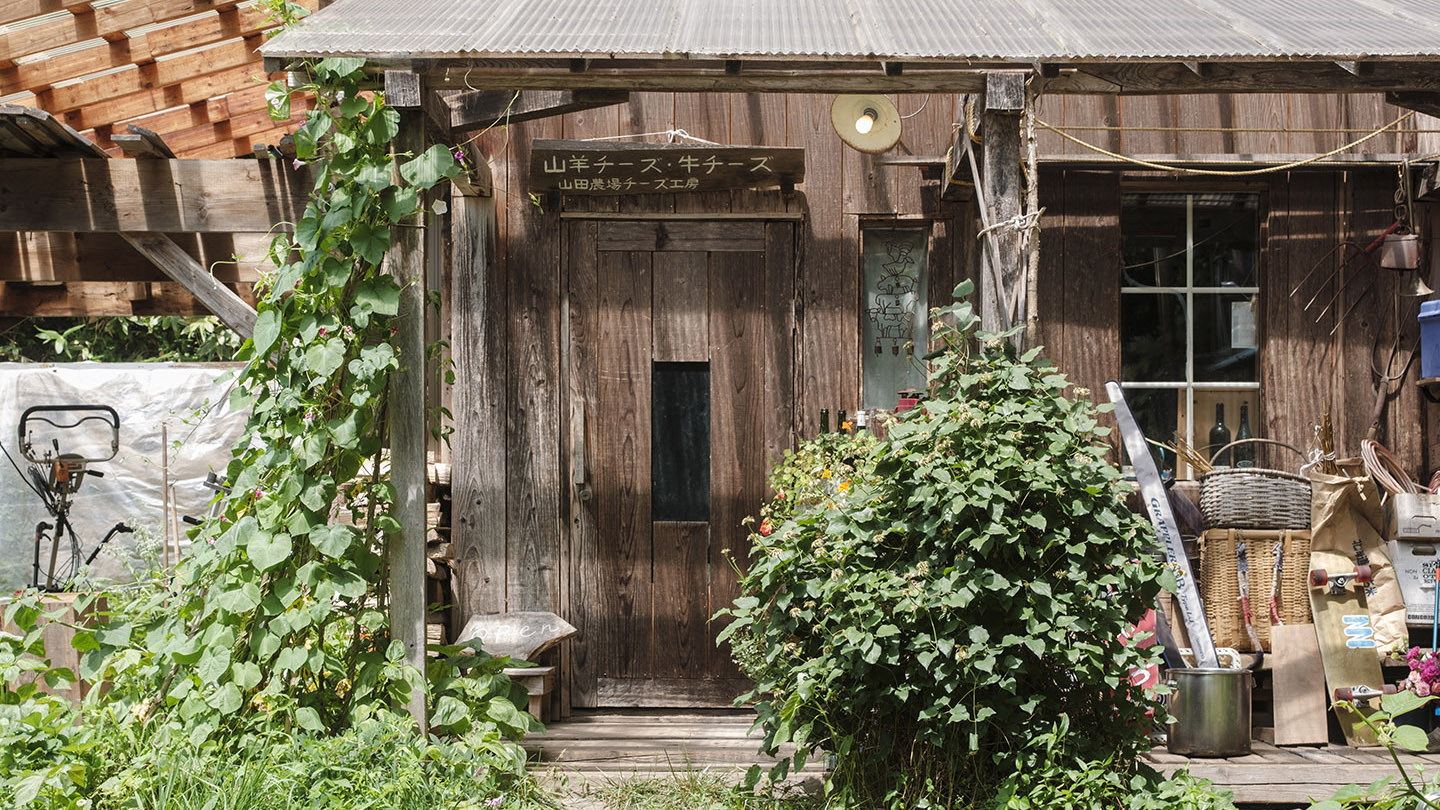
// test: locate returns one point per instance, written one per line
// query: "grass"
(694, 790)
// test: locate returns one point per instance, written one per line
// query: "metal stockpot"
(1212, 712)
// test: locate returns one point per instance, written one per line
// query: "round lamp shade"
(868, 123)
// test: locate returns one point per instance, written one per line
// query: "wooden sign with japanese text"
(590, 167)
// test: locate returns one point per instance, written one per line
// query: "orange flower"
(765, 528)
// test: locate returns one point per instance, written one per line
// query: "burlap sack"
(1346, 509)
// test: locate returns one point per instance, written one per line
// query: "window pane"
(1152, 240)
(1229, 408)
(1152, 329)
(1158, 412)
(895, 312)
(1227, 239)
(1226, 338)
(680, 442)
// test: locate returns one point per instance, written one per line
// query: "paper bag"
(1346, 517)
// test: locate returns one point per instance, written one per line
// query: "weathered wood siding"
(520, 331)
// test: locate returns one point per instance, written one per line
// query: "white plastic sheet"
(190, 399)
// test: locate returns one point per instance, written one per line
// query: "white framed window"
(1190, 316)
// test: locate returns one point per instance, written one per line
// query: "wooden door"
(681, 390)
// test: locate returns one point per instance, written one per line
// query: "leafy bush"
(965, 588)
(119, 340)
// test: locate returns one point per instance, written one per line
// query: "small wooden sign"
(590, 167)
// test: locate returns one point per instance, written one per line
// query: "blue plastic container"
(1430, 339)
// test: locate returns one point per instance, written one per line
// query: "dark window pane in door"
(1226, 338)
(1152, 240)
(1227, 239)
(680, 442)
(1152, 337)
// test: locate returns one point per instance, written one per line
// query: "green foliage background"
(957, 590)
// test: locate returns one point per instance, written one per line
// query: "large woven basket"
(1220, 587)
(1254, 497)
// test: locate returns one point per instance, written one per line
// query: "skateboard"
(1347, 640)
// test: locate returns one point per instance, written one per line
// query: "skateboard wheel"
(1344, 693)
(1319, 577)
(1362, 574)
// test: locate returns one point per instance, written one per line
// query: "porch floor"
(592, 747)
(1292, 776)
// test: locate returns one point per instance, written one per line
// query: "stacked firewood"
(439, 593)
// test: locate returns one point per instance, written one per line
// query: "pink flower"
(322, 331)
(296, 164)
(1422, 689)
(495, 802)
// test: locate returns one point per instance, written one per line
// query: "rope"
(1019, 222)
(1222, 172)
(672, 134)
(1389, 473)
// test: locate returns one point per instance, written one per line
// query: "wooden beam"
(402, 89)
(189, 90)
(958, 182)
(167, 196)
(107, 257)
(178, 265)
(1201, 69)
(97, 298)
(1000, 179)
(143, 143)
(1355, 68)
(230, 23)
(1425, 103)
(108, 22)
(20, 9)
(487, 108)
(406, 262)
(1131, 78)
(140, 78)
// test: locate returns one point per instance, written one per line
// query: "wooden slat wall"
(530, 523)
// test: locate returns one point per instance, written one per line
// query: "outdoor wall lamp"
(869, 123)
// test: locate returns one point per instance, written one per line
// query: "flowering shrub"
(966, 589)
(1424, 678)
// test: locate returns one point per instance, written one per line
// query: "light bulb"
(866, 121)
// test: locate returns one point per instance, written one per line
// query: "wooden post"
(406, 262)
(477, 339)
(1000, 145)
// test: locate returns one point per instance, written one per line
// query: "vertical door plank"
(478, 343)
(1092, 282)
(1149, 123)
(682, 317)
(1367, 331)
(1266, 117)
(1204, 112)
(647, 112)
(682, 642)
(1299, 686)
(927, 132)
(622, 467)
(777, 372)
(758, 119)
(705, 116)
(585, 582)
(826, 361)
(737, 406)
(533, 462)
(1051, 281)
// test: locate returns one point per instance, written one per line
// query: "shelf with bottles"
(1220, 418)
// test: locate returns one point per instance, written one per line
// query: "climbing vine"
(280, 614)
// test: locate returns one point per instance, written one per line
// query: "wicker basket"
(1253, 497)
(1220, 589)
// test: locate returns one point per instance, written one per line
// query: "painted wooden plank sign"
(590, 167)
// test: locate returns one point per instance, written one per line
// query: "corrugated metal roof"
(1021, 31)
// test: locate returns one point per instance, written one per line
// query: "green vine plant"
(279, 615)
(1406, 790)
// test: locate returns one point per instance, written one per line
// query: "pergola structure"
(470, 64)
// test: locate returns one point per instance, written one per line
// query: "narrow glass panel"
(894, 312)
(1152, 347)
(1152, 240)
(1226, 338)
(680, 442)
(1160, 413)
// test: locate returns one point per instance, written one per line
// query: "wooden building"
(629, 363)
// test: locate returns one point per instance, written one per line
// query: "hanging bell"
(1413, 286)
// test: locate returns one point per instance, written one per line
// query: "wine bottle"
(862, 421)
(840, 423)
(1244, 453)
(1220, 436)
(825, 421)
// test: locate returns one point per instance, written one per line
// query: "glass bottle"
(825, 420)
(840, 423)
(1220, 436)
(1244, 453)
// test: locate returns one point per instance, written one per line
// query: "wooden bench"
(522, 636)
